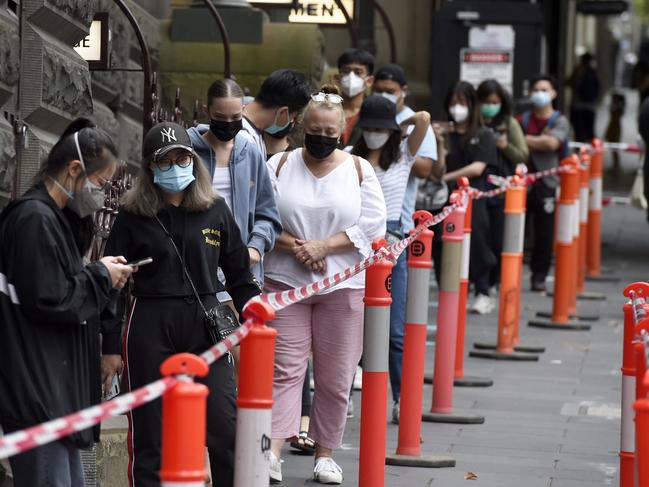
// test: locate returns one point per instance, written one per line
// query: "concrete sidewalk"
(555, 422)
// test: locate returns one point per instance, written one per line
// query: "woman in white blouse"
(331, 207)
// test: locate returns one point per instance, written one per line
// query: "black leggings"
(306, 392)
(159, 328)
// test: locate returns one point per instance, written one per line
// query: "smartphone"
(114, 389)
(141, 262)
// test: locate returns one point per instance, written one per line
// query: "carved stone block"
(7, 156)
(68, 20)
(9, 60)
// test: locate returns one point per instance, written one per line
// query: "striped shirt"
(394, 181)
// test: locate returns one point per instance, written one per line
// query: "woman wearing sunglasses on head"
(173, 216)
(50, 303)
(331, 207)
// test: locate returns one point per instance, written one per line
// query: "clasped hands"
(311, 254)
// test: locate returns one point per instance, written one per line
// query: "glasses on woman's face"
(164, 164)
(330, 97)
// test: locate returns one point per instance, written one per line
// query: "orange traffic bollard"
(445, 340)
(642, 441)
(414, 355)
(594, 248)
(376, 345)
(460, 379)
(184, 413)
(511, 262)
(565, 278)
(633, 310)
(255, 398)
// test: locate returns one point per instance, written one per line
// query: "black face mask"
(225, 131)
(282, 133)
(320, 146)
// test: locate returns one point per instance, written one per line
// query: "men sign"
(94, 47)
(321, 12)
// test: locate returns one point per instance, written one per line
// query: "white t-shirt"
(394, 181)
(222, 184)
(316, 208)
(255, 135)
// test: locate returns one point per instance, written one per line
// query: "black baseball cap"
(163, 137)
(378, 112)
(392, 72)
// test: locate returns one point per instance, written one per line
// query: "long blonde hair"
(146, 199)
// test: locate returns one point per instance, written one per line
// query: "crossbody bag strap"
(182, 263)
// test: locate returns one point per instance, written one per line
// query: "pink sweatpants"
(332, 325)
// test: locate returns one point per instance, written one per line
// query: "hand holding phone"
(139, 263)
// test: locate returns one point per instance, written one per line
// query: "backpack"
(564, 150)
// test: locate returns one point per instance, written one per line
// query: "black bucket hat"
(378, 112)
(163, 137)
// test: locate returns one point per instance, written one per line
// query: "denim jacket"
(253, 201)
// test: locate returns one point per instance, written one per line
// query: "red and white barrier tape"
(611, 146)
(639, 313)
(21, 441)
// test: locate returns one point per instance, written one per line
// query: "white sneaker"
(326, 471)
(358, 379)
(483, 305)
(275, 468)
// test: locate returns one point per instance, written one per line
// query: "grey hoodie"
(253, 201)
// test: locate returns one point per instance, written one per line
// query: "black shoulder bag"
(219, 320)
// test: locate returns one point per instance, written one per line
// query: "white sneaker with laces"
(326, 471)
(483, 304)
(275, 468)
(358, 379)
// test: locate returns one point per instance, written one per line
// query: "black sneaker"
(538, 285)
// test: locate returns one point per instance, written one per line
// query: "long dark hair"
(97, 149)
(491, 87)
(467, 92)
(390, 152)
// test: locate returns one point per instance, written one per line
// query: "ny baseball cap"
(164, 137)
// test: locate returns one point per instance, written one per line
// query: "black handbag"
(219, 320)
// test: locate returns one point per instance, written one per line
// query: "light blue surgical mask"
(174, 180)
(273, 129)
(540, 98)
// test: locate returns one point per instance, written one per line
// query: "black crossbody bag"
(219, 320)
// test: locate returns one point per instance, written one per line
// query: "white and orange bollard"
(184, 413)
(255, 398)
(511, 263)
(594, 247)
(414, 355)
(565, 279)
(447, 312)
(376, 346)
(633, 310)
(641, 407)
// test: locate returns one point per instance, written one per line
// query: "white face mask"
(375, 140)
(459, 112)
(352, 85)
(390, 96)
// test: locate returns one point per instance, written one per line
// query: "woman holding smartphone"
(50, 303)
(173, 216)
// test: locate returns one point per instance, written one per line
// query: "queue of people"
(233, 207)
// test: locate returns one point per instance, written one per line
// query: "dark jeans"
(583, 123)
(158, 329)
(496, 212)
(56, 464)
(540, 215)
(399, 292)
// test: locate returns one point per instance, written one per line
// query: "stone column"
(54, 81)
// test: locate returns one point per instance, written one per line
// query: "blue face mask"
(175, 179)
(273, 129)
(540, 99)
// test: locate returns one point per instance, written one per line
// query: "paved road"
(551, 423)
